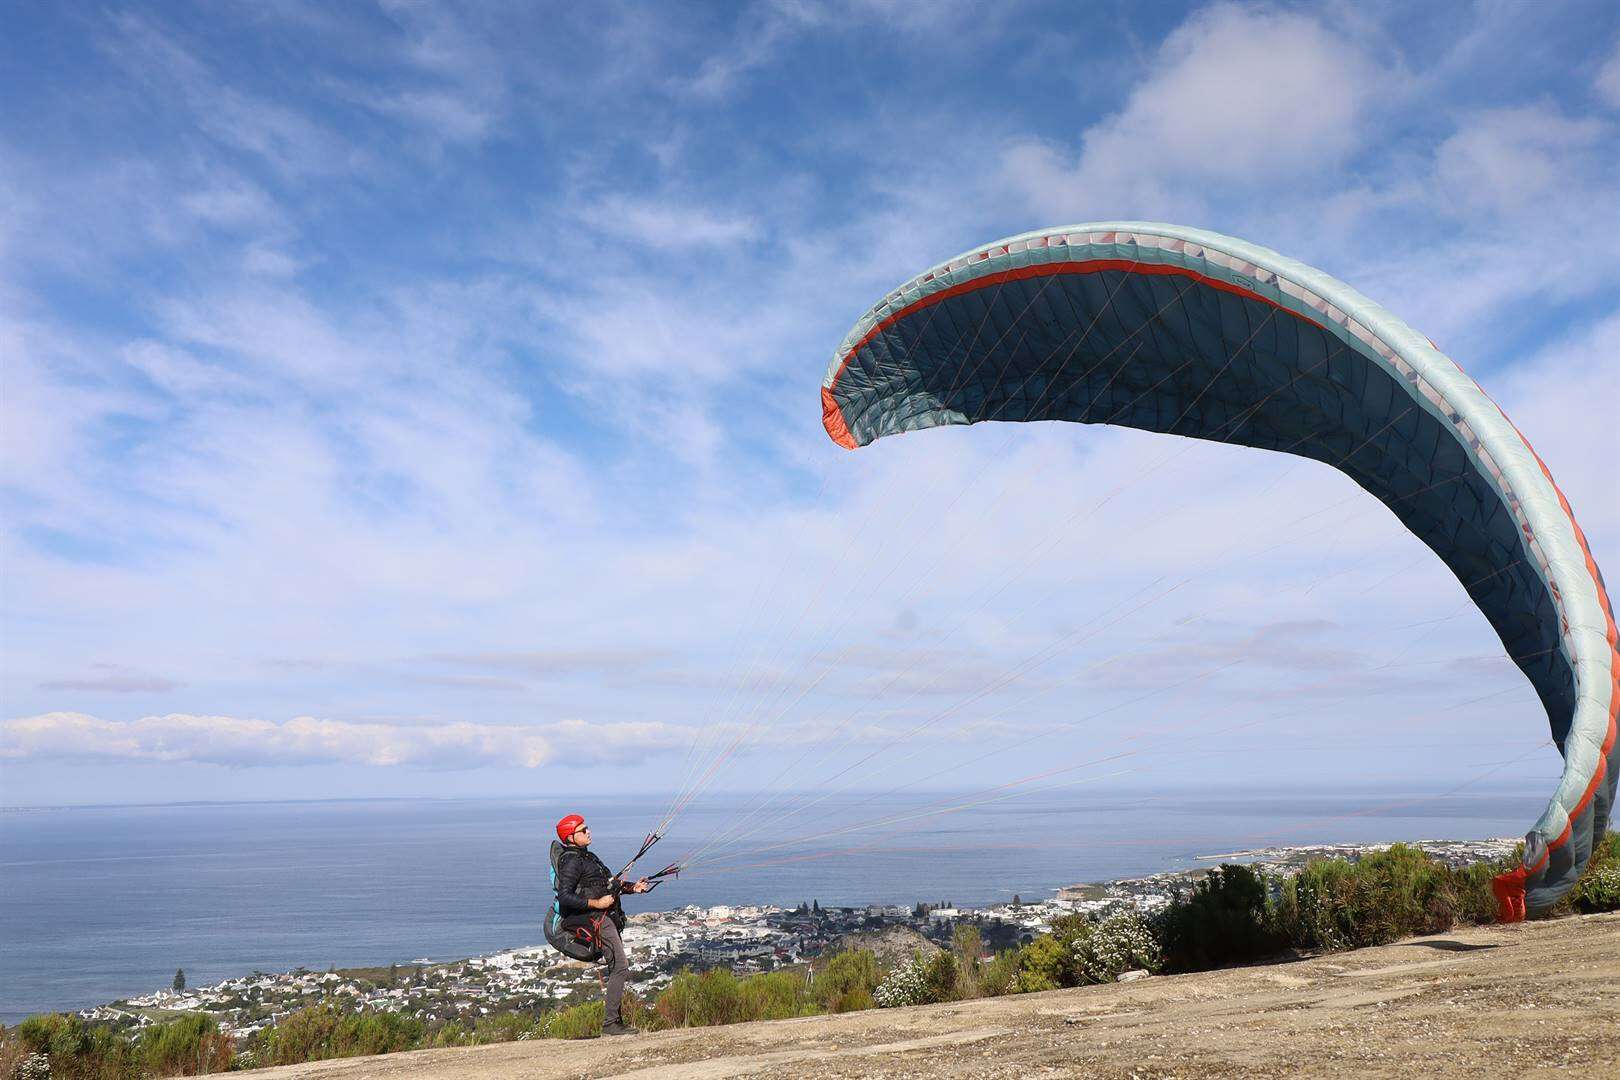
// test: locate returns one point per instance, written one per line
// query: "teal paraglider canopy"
(1188, 332)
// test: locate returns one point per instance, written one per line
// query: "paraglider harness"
(579, 937)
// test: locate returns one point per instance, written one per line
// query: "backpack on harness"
(573, 936)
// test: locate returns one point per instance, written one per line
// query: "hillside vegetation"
(1233, 915)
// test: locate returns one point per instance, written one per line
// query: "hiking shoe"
(619, 1027)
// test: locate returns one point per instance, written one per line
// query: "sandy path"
(1500, 1000)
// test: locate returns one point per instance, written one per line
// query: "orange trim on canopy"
(1613, 636)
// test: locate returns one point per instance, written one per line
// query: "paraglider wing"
(1188, 332)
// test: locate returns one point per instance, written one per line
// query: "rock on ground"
(1492, 1001)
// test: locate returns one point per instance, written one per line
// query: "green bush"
(847, 982)
(189, 1046)
(1471, 885)
(719, 997)
(775, 995)
(375, 1033)
(322, 1031)
(1071, 929)
(507, 1027)
(1042, 965)
(64, 1046)
(1225, 920)
(56, 1034)
(1314, 911)
(454, 1033)
(13, 1052)
(1599, 887)
(580, 1022)
(1414, 894)
(1000, 975)
(940, 977)
(967, 945)
(1336, 904)
(306, 1035)
(694, 1000)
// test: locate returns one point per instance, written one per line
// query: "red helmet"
(568, 826)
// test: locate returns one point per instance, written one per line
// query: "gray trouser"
(618, 970)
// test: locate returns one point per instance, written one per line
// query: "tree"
(815, 906)
(393, 974)
(179, 979)
(1016, 901)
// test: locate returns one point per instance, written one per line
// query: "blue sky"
(421, 398)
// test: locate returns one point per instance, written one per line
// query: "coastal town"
(745, 939)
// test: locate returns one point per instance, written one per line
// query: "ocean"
(102, 903)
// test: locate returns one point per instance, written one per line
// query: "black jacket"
(582, 877)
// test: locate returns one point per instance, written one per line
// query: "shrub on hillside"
(1071, 929)
(1121, 943)
(306, 1035)
(924, 980)
(1042, 965)
(775, 995)
(902, 986)
(189, 1046)
(941, 977)
(1316, 909)
(12, 1052)
(1000, 975)
(1471, 887)
(1415, 894)
(1052, 960)
(847, 982)
(375, 1033)
(967, 945)
(65, 1046)
(1337, 904)
(701, 1000)
(507, 1027)
(321, 1032)
(1225, 920)
(454, 1033)
(1599, 888)
(582, 1021)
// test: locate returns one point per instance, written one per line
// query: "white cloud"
(1560, 398)
(181, 373)
(665, 224)
(449, 116)
(307, 740)
(762, 33)
(1236, 94)
(279, 134)
(1607, 83)
(1507, 159)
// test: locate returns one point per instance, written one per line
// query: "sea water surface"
(102, 903)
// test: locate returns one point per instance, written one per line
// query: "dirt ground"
(1497, 1001)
